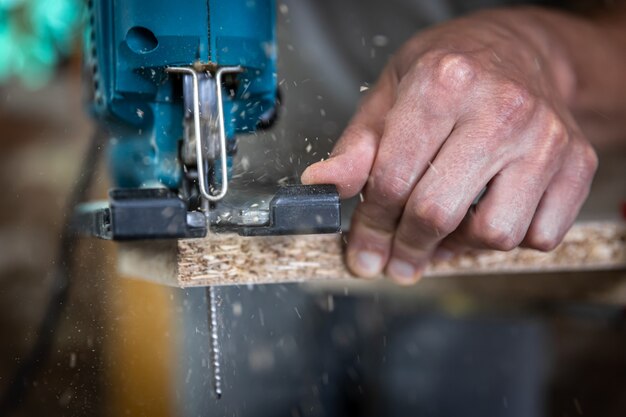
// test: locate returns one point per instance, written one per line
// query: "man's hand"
(475, 104)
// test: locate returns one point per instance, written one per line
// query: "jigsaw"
(172, 84)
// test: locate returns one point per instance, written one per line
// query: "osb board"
(231, 259)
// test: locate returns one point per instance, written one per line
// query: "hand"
(470, 104)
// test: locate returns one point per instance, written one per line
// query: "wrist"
(532, 28)
(583, 58)
(591, 49)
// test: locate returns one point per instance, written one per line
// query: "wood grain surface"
(234, 260)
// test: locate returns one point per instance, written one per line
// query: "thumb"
(353, 156)
(349, 167)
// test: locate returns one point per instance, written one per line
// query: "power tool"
(172, 84)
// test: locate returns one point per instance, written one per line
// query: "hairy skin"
(503, 100)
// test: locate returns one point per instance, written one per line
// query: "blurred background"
(519, 345)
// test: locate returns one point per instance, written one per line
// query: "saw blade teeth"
(214, 346)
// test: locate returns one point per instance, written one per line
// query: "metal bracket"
(202, 177)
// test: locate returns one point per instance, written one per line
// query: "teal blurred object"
(35, 35)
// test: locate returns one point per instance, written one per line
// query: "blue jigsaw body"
(173, 84)
(129, 45)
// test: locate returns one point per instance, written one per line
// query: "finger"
(440, 201)
(438, 206)
(351, 160)
(563, 199)
(503, 215)
(423, 116)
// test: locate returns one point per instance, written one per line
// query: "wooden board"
(595, 243)
(235, 260)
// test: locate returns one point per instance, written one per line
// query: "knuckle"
(542, 240)
(590, 160)
(498, 237)
(515, 103)
(557, 134)
(441, 77)
(391, 180)
(435, 217)
(454, 70)
(581, 169)
(393, 188)
(498, 240)
(552, 139)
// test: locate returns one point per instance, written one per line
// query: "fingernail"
(443, 254)
(368, 263)
(403, 272)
